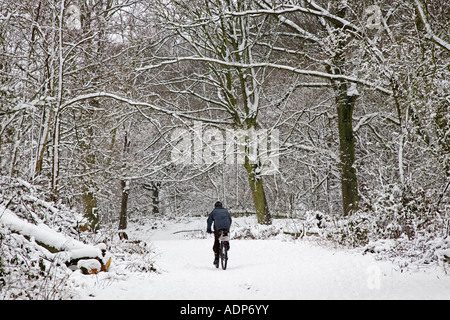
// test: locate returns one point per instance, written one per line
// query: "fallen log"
(60, 248)
(194, 230)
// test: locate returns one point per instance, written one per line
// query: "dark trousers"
(216, 240)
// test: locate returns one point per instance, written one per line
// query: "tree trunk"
(90, 208)
(345, 101)
(43, 139)
(155, 197)
(125, 187)
(123, 209)
(154, 187)
(55, 159)
(349, 183)
(259, 197)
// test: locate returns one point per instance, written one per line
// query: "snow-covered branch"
(290, 8)
(430, 34)
(137, 104)
(313, 73)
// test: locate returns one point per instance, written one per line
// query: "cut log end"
(93, 266)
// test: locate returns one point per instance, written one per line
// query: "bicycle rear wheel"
(223, 255)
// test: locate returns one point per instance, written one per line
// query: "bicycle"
(224, 245)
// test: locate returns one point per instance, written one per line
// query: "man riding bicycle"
(222, 222)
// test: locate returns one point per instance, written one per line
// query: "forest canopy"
(346, 102)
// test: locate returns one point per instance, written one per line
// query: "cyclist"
(222, 221)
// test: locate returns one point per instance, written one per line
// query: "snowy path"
(272, 269)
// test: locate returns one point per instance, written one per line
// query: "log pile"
(58, 247)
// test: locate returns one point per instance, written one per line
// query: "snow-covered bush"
(26, 201)
(394, 223)
(353, 231)
(398, 212)
(133, 255)
(256, 232)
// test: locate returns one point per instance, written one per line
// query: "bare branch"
(175, 114)
(313, 73)
(430, 34)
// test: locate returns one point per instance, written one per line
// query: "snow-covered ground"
(260, 269)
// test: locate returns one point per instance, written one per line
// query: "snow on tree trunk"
(259, 197)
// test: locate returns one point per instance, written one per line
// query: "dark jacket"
(221, 218)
